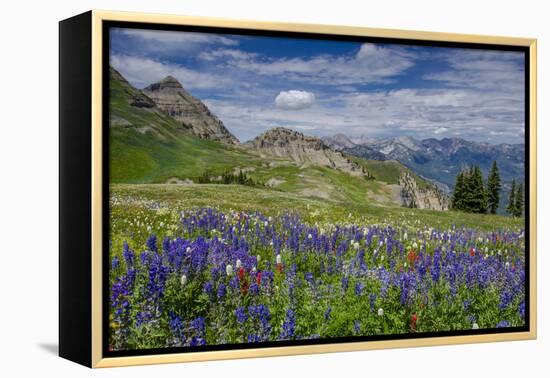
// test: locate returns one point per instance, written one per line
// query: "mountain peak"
(192, 113)
(303, 150)
(169, 83)
(171, 80)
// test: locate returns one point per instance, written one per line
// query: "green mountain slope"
(148, 146)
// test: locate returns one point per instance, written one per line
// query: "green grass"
(311, 209)
(388, 171)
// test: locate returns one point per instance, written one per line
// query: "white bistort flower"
(188, 249)
(183, 279)
(380, 311)
(475, 326)
(258, 258)
(238, 264)
(229, 270)
(309, 236)
(278, 259)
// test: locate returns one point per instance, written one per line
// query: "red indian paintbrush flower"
(240, 273)
(472, 251)
(414, 319)
(244, 288)
(412, 257)
(259, 278)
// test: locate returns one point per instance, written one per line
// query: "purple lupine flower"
(521, 310)
(152, 243)
(221, 291)
(503, 324)
(345, 283)
(177, 328)
(208, 287)
(359, 288)
(115, 263)
(240, 314)
(327, 313)
(289, 326)
(129, 255)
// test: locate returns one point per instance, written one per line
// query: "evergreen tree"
(512, 199)
(478, 194)
(457, 201)
(241, 179)
(518, 201)
(493, 189)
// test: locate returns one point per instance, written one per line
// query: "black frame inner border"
(107, 25)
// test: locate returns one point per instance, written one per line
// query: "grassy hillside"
(388, 171)
(147, 146)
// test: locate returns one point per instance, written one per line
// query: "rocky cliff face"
(303, 150)
(169, 95)
(421, 198)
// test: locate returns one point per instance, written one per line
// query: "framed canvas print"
(235, 189)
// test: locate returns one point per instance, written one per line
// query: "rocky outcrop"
(428, 197)
(169, 95)
(303, 150)
(135, 97)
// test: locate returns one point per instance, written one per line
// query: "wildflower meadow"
(199, 275)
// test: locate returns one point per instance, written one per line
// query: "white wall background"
(28, 205)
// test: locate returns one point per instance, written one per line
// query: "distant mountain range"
(438, 160)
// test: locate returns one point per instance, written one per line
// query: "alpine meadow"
(276, 189)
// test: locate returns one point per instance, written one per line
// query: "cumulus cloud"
(294, 100)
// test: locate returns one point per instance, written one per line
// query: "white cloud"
(226, 53)
(370, 64)
(294, 99)
(421, 113)
(141, 72)
(173, 41)
(483, 70)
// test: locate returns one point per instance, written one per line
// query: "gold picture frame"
(94, 23)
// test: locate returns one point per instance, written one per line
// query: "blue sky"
(326, 87)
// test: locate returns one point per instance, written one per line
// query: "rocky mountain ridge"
(303, 150)
(169, 95)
